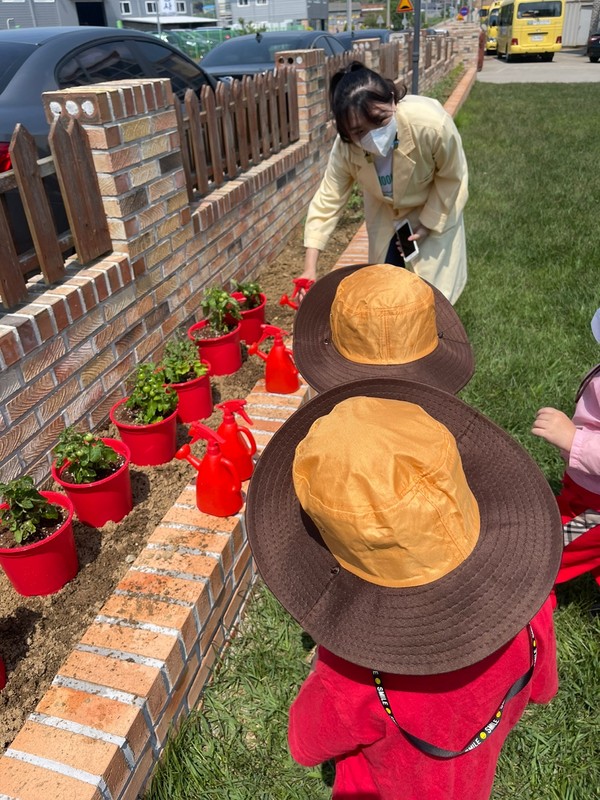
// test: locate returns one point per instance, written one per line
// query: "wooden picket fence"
(237, 126)
(71, 162)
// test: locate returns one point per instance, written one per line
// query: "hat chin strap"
(487, 730)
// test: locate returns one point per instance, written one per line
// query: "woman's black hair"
(354, 90)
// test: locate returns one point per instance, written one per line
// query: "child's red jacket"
(337, 714)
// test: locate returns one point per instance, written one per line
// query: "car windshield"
(12, 55)
(249, 52)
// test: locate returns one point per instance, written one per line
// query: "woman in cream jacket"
(406, 155)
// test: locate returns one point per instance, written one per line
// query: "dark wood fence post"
(79, 188)
(35, 203)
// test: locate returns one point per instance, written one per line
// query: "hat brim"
(439, 627)
(449, 367)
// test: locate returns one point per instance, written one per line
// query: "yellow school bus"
(530, 27)
(491, 33)
(483, 13)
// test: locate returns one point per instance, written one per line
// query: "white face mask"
(380, 140)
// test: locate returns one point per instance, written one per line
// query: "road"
(569, 66)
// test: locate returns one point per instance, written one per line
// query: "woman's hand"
(419, 234)
(311, 258)
(555, 427)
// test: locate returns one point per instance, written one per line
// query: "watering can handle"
(300, 284)
(291, 355)
(249, 439)
(237, 484)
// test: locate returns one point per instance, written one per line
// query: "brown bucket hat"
(401, 528)
(378, 320)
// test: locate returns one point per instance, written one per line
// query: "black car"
(593, 47)
(36, 60)
(348, 37)
(255, 53)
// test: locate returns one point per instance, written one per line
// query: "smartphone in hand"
(410, 249)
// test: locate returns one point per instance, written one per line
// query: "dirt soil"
(38, 633)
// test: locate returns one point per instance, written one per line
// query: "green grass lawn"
(534, 256)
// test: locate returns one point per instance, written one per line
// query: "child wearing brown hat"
(416, 542)
(378, 321)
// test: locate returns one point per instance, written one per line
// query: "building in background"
(143, 13)
(41, 13)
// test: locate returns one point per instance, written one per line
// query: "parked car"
(593, 47)
(255, 53)
(348, 37)
(36, 60)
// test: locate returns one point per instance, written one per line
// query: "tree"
(250, 27)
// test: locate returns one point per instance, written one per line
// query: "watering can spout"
(300, 284)
(185, 454)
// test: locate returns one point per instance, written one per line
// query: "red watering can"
(218, 486)
(238, 443)
(281, 375)
(299, 285)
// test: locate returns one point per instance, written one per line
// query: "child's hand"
(555, 427)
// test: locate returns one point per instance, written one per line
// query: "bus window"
(539, 10)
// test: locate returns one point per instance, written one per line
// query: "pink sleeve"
(585, 451)
(545, 676)
(316, 732)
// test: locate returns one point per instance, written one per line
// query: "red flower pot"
(105, 500)
(149, 445)
(195, 398)
(252, 318)
(43, 567)
(223, 352)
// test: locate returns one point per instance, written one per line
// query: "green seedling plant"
(85, 456)
(251, 291)
(217, 305)
(181, 362)
(27, 511)
(150, 400)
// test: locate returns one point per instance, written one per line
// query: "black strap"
(483, 734)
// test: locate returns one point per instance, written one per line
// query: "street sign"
(404, 6)
(167, 7)
(464, 10)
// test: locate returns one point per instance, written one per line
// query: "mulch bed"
(38, 633)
